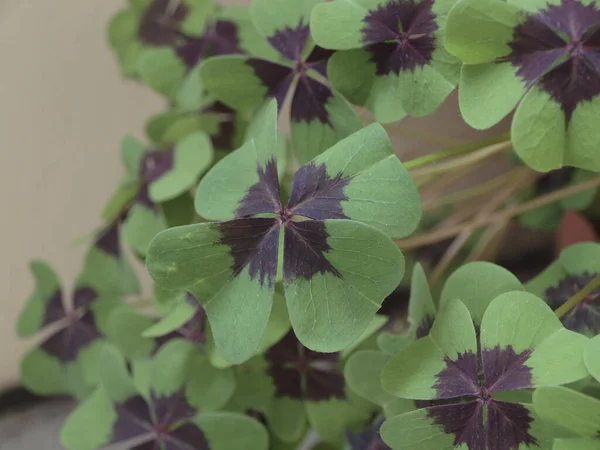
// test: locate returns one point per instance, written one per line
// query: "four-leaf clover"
(543, 56)
(331, 239)
(393, 60)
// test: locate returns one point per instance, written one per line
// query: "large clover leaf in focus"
(393, 60)
(465, 374)
(320, 116)
(543, 57)
(331, 240)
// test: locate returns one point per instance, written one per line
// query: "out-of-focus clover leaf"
(541, 57)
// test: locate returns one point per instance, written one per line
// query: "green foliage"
(280, 313)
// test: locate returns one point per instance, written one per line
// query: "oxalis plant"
(312, 291)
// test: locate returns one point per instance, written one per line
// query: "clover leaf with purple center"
(154, 180)
(575, 267)
(59, 364)
(320, 116)
(468, 373)
(159, 406)
(340, 215)
(476, 284)
(543, 56)
(392, 58)
(296, 388)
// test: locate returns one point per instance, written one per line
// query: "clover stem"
(455, 151)
(438, 235)
(579, 297)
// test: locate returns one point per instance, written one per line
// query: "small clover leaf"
(463, 372)
(542, 57)
(162, 405)
(394, 62)
(61, 363)
(576, 266)
(293, 386)
(338, 217)
(153, 179)
(320, 116)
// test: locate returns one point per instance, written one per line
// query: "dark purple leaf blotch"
(55, 309)
(264, 195)
(275, 77)
(159, 26)
(464, 421)
(254, 242)
(505, 370)
(316, 195)
(459, 378)
(584, 317)
(309, 101)
(400, 35)
(108, 241)
(559, 48)
(305, 246)
(303, 374)
(222, 38)
(66, 343)
(290, 42)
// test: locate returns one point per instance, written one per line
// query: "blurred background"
(63, 111)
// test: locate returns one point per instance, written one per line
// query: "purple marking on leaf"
(425, 326)
(301, 373)
(150, 445)
(290, 42)
(143, 198)
(66, 343)
(370, 439)
(316, 195)
(133, 419)
(305, 246)
(171, 409)
(318, 60)
(263, 196)
(400, 35)
(584, 317)
(55, 309)
(159, 26)
(505, 370)
(156, 163)
(222, 38)
(84, 297)
(508, 426)
(464, 421)
(275, 77)
(459, 378)
(108, 241)
(257, 415)
(223, 139)
(254, 242)
(563, 34)
(186, 437)
(309, 101)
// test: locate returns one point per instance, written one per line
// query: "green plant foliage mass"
(269, 206)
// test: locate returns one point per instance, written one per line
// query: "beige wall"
(63, 111)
